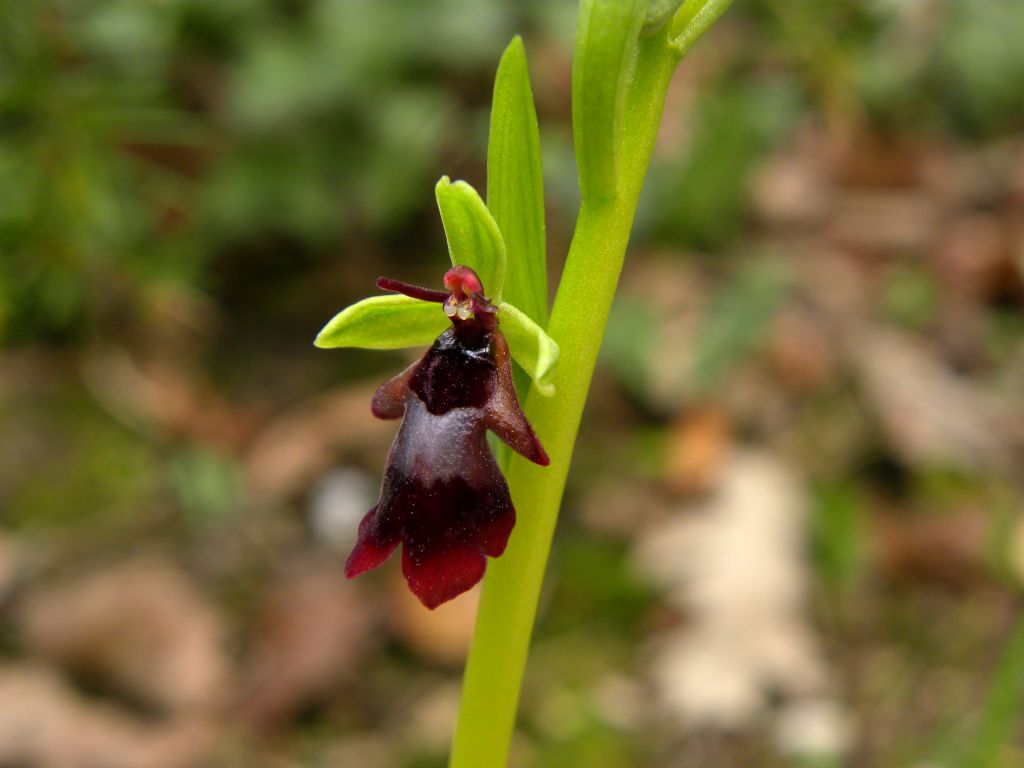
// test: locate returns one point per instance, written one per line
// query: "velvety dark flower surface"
(443, 497)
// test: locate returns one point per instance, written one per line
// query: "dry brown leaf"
(302, 444)
(617, 507)
(930, 415)
(800, 352)
(159, 396)
(44, 723)
(698, 443)
(310, 633)
(894, 223)
(949, 549)
(140, 626)
(860, 158)
(974, 258)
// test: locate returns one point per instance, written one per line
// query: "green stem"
(508, 605)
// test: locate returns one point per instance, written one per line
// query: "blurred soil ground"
(794, 530)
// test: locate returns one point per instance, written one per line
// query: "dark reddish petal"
(504, 417)
(456, 372)
(368, 554)
(493, 535)
(437, 577)
(443, 496)
(389, 399)
(412, 291)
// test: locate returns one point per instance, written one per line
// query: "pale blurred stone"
(433, 718)
(791, 190)
(929, 414)
(621, 701)
(338, 502)
(814, 728)
(734, 565)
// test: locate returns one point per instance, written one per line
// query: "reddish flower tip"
(412, 291)
(366, 555)
(443, 497)
(463, 282)
(438, 579)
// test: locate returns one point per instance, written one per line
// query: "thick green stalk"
(512, 586)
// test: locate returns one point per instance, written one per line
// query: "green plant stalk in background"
(508, 605)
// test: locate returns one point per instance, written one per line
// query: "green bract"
(658, 12)
(692, 21)
(515, 184)
(606, 38)
(393, 322)
(384, 322)
(531, 347)
(473, 237)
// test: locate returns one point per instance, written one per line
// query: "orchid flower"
(443, 497)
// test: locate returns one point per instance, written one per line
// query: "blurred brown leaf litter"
(794, 532)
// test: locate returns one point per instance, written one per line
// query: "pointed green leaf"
(606, 38)
(515, 183)
(693, 20)
(384, 322)
(530, 346)
(473, 237)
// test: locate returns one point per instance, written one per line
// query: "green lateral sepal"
(530, 346)
(384, 322)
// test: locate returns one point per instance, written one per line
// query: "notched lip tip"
(436, 601)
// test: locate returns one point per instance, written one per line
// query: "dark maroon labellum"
(443, 497)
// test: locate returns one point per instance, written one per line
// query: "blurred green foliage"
(736, 321)
(143, 144)
(911, 295)
(991, 743)
(142, 141)
(67, 465)
(699, 199)
(837, 536)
